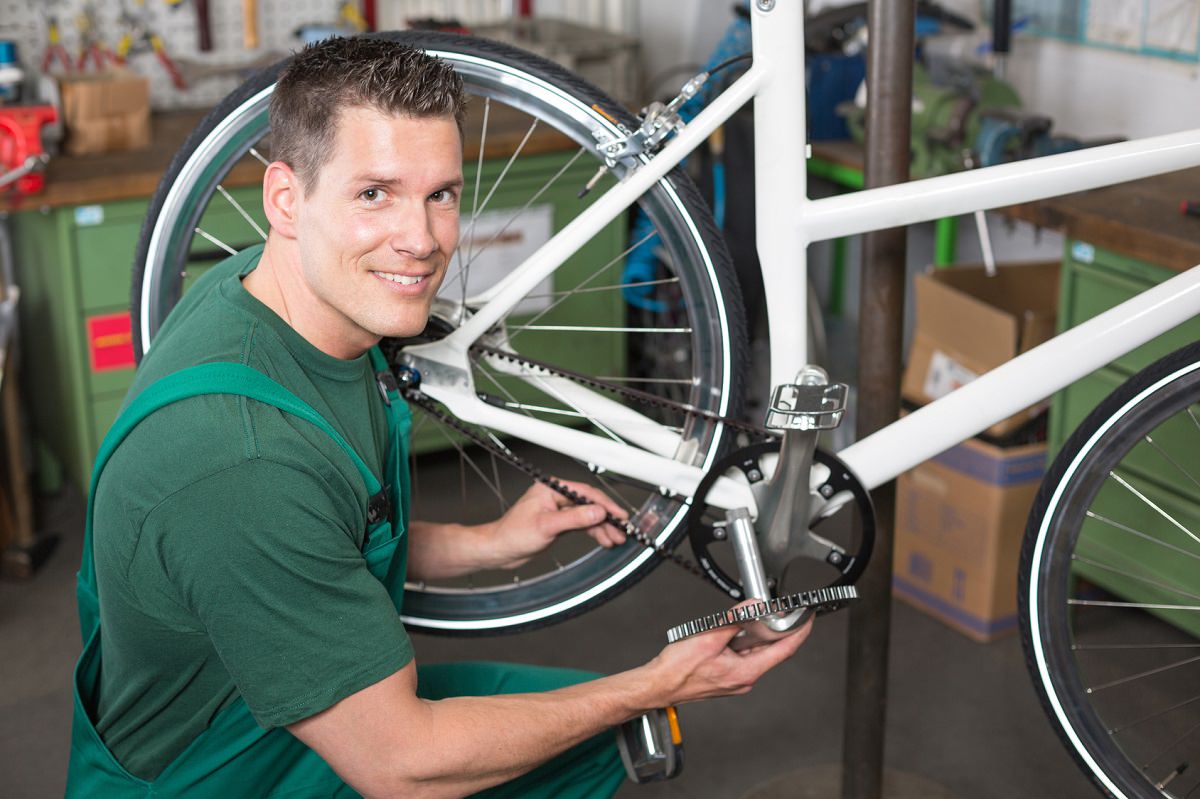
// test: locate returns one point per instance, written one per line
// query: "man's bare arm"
(384, 741)
(437, 551)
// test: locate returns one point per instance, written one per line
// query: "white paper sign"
(492, 246)
(945, 374)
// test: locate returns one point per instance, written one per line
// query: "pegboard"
(25, 22)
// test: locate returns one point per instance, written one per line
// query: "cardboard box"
(105, 112)
(968, 323)
(960, 519)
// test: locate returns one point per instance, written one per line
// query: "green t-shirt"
(227, 538)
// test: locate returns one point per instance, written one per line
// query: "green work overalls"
(235, 757)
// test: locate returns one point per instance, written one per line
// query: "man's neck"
(276, 281)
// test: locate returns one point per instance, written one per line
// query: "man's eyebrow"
(449, 183)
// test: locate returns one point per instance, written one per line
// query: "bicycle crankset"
(848, 561)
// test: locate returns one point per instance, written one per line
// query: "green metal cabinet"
(74, 267)
(1094, 280)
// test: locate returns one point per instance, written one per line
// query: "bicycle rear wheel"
(1110, 586)
(529, 118)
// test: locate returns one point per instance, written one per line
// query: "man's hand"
(542, 514)
(703, 666)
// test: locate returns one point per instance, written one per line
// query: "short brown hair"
(363, 71)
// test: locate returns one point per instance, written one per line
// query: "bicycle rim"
(1110, 598)
(684, 341)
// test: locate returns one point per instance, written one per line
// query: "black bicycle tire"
(540, 68)
(1081, 456)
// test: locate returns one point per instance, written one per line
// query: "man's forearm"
(439, 551)
(472, 743)
(386, 742)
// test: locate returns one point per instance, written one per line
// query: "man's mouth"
(404, 280)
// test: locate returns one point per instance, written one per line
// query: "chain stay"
(643, 397)
(415, 396)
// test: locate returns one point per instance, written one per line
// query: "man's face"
(376, 232)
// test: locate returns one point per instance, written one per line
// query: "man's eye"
(443, 196)
(371, 195)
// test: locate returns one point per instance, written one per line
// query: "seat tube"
(780, 146)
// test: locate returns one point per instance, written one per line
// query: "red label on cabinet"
(110, 342)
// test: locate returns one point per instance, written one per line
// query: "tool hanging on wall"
(250, 24)
(203, 27)
(54, 51)
(140, 37)
(91, 46)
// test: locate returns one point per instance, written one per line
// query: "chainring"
(748, 460)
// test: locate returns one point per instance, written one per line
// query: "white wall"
(679, 33)
(1090, 91)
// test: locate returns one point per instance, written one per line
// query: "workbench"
(75, 246)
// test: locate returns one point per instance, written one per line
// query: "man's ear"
(281, 198)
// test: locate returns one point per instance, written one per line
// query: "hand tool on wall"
(54, 47)
(91, 46)
(139, 35)
(203, 26)
(250, 24)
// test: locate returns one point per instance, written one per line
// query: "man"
(243, 637)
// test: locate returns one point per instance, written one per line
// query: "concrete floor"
(960, 715)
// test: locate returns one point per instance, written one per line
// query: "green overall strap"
(206, 378)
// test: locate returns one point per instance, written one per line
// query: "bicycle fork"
(781, 533)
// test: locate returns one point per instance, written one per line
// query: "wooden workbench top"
(92, 179)
(1139, 219)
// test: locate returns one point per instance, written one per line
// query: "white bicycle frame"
(787, 222)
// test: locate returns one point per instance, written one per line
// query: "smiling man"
(250, 534)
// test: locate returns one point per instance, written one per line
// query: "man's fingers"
(769, 655)
(598, 497)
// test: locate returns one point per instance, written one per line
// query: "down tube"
(1026, 379)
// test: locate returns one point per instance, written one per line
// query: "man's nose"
(412, 233)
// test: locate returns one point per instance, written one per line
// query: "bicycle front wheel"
(1110, 586)
(672, 328)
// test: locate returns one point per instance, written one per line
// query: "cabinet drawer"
(105, 244)
(1109, 280)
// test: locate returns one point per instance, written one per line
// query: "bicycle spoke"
(1141, 675)
(662, 380)
(242, 211)
(217, 241)
(1151, 539)
(528, 204)
(465, 271)
(1156, 714)
(1172, 461)
(571, 292)
(1166, 751)
(615, 287)
(466, 460)
(254, 152)
(602, 329)
(512, 160)
(1098, 647)
(1113, 603)
(1153, 506)
(1136, 577)
(523, 406)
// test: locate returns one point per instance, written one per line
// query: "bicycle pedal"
(651, 746)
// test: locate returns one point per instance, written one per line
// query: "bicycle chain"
(642, 397)
(415, 396)
(820, 601)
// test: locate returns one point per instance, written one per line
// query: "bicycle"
(687, 466)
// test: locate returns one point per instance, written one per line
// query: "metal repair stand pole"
(881, 319)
